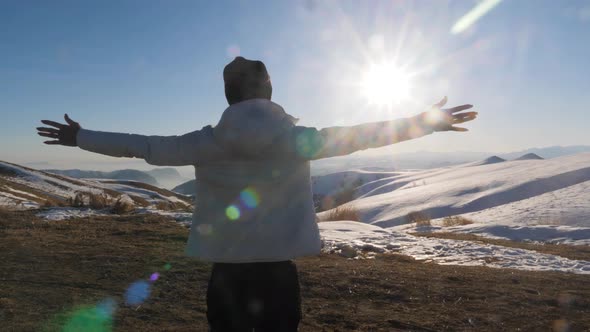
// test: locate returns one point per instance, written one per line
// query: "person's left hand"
(62, 133)
(445, 119)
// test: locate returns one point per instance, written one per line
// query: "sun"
(385, 84)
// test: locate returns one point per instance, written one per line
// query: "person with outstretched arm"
(254, 211)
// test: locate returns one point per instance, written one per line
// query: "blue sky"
(154, 67)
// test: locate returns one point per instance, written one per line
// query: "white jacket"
(254, 199)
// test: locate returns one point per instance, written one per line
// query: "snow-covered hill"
(62, 196)
(476, 187)
(528, 199)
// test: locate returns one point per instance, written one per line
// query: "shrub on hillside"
(456, 221)
(418, 217)
(98, 201)
(342, 212)
(89, 199)
(123, 204)
(165, 206)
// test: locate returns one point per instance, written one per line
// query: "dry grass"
(344, 196)
(51, 269)
(456, 221)
(139, 200)
(92, 200)
(4, 209)
(418, 217)
(165, 206)
(342, 212)
(99, 201)
(123, 205)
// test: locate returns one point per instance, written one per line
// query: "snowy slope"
(26, 188)
(331, 183)
(472, 188)
(522, 200)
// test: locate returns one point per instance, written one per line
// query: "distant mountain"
(530, 156)
(125, 174)
(187, 188)
(168, 177)
(429, 159)
(549, 152)
(489, 161)
(164, 173)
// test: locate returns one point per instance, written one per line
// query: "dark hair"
(246, 79)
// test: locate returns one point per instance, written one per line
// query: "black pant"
(259, 296)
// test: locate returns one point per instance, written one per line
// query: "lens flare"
(167, 266)
(249, 197)
(308, 143)
(479, 11)
(106, 308)
(154, 276)
(88, 319)
(434, 116)
(137, 293)
(232, 212)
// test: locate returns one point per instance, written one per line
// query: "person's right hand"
(64, 134)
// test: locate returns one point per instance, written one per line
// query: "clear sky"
(155, 67)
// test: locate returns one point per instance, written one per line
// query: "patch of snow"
(21, 192)
(541, 233)
(16, 202)
(342, 235)
(62, 213)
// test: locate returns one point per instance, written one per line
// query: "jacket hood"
(250, 128)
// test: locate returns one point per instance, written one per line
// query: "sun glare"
(385, 84)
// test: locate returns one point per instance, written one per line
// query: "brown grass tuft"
(99, 201)
(456, 221)
(91, 200)
(173, 206)
(418, 217)
(165, 206)
(342, 212)
(123, 205)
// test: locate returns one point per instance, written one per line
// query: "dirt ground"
(52, 275)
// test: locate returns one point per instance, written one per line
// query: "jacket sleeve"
(312, 144)
(188, 149)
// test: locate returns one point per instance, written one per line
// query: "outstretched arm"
(338, 141)
(182, 150)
